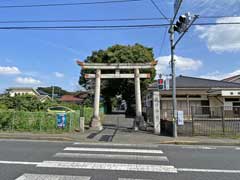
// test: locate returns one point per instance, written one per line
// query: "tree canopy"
(121, 54)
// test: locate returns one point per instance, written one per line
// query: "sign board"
(180, 118)
(167, 84)
(231, 93)
(61, 120)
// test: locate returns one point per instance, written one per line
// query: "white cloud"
(27, 80)
(213, 7)
(58, 74)
(217, 75)
(7, 70)
(222, 38)
(182, 64)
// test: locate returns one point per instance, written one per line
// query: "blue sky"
(44, 58)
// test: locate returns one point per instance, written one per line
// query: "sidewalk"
(123, 137)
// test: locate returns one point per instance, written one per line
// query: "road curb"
(38, 138)
(201, 143)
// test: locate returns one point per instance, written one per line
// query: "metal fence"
(223, 120)
(21, 121)
(204, 121)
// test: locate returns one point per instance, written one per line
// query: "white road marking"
(109, 166)
(199, 147)
(119, 145)
(131, 179)
(51, 177)
(237, 148)
(111, 156)
(19, 162)
(209, 170)
(113, 150)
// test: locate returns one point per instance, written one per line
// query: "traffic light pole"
(174, 100)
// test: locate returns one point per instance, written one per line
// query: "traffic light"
(182, 23)
(161, 84)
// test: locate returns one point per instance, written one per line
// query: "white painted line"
(111, 156)
(109, 166)
(19, 162)
(209, 170)
(119, 145)
(199, 147)
(131, 179)
(51, 177)
(237, 148)
(113, 150)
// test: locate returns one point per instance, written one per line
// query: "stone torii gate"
(96, 123)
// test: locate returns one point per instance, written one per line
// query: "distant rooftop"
(232, 79)
(194, 82)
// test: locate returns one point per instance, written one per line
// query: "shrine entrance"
(117, 67)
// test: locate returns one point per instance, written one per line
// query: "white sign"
(167, 85)
(180, 118)
(230, 93)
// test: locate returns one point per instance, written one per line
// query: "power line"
(105, 26)
(159, 10)
(69, 4)
(216, 17)
(85, 27)
(217, 23)
(163, 40)
(79, 20)
(96, 20)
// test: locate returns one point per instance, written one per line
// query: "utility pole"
(173, 73)
(182, 26)
(52, 92)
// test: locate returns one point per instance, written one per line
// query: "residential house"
(42, 96)
(76, 98)
(196, 92)
(235, 79)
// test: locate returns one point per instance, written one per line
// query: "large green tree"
(121, 54)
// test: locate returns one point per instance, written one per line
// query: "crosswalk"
(104, 157)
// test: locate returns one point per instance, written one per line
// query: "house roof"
(24, 88)
(41, 92)
(232, 78)
(194, 82)
(70, 98)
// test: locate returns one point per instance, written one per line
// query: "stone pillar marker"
(156, 113)
(96, 124)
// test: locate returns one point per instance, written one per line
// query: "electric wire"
(68, 4)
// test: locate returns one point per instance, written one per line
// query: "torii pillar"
(139, 121)
(139, 117)
(96, 123)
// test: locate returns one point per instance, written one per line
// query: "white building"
(19, 91)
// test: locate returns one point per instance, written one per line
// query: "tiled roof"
(194, 82)
(232, 79)
(69, 98)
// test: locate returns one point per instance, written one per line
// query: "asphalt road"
(35, 160)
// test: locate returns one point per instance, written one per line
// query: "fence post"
(70, 124)
(223, 120)
(14, 115)
(40, 122)
(192, 112)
